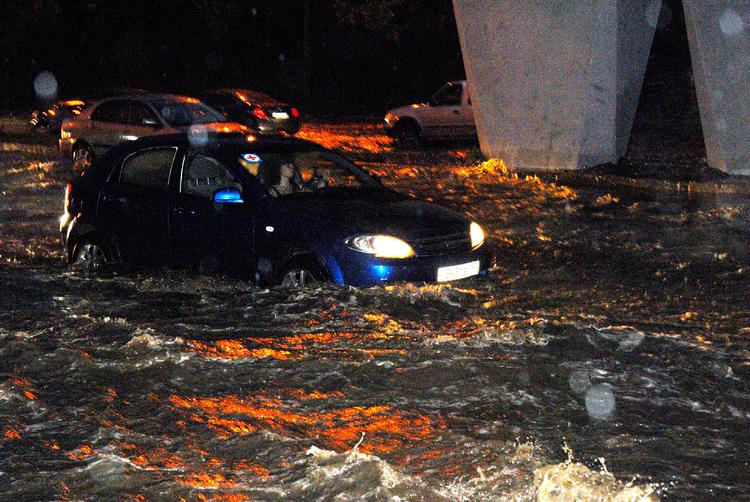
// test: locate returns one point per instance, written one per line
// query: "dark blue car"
(278, 210)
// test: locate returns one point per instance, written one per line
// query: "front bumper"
(363, 270)
(270, 126)
(389, 129)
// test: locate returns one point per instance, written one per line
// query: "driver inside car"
(312, 178)
(286, 183)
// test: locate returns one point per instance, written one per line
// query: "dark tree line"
(357, 56)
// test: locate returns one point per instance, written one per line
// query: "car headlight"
(477, 235)
(382, 246)
(389, 117)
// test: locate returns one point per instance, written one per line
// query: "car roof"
(154, 98)
(224, 141)
(250, 94)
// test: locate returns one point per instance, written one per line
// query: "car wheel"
(408, 135)
(298, 277)
(83, 157)
(90, 256)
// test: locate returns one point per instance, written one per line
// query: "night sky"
(361, 59)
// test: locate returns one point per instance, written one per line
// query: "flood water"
(606, 355)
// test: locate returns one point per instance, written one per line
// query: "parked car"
(446, 115)
(279, 210)
(256, 110)
(50, 119)
(127, 118)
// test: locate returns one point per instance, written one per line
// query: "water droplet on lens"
(197, 135)
(730, 22)
(45, 86)
(600, 402)
(579, 381)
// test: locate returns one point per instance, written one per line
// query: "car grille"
(444, 244)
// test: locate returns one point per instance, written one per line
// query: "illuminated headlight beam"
(477, 235)
(381, 246)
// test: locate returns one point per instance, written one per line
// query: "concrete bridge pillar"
(719, 35)
(555, 83)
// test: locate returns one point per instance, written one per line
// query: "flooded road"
(606, 356)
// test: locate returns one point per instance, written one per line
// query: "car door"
(135, 203)
(106, 124)
(205, 232)
(442, 115)
(142, 121)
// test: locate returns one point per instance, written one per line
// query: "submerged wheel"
(90, 256)
(408, 135)
(298, 277)
(83, 157)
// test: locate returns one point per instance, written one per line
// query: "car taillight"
(68, 189)
(295, 113)
(259, 114)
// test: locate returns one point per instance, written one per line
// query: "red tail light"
(68, 188)
(295, 113)
(259, 114)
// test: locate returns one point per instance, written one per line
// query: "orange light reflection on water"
(350, 137)
(26, 387)
(11, 434)
(297, 347)
(386, 429)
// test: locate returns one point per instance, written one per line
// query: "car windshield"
(185, 113)
(449, 94)
(308, 173)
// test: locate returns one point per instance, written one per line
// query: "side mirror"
(227, 196)
(147, 122)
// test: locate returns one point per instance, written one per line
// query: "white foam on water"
(354, 475)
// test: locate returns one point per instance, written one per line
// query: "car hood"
(404, 218)
(406, 110)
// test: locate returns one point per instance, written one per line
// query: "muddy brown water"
(607, 354)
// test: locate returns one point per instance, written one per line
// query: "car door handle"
(181, 211)
(456, 112)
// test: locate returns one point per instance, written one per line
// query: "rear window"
(184, 113)
(149, 168)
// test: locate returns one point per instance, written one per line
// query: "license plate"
(456, 272)
(280, 115)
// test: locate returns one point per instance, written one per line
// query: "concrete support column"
(555, 83)
(719, 35)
